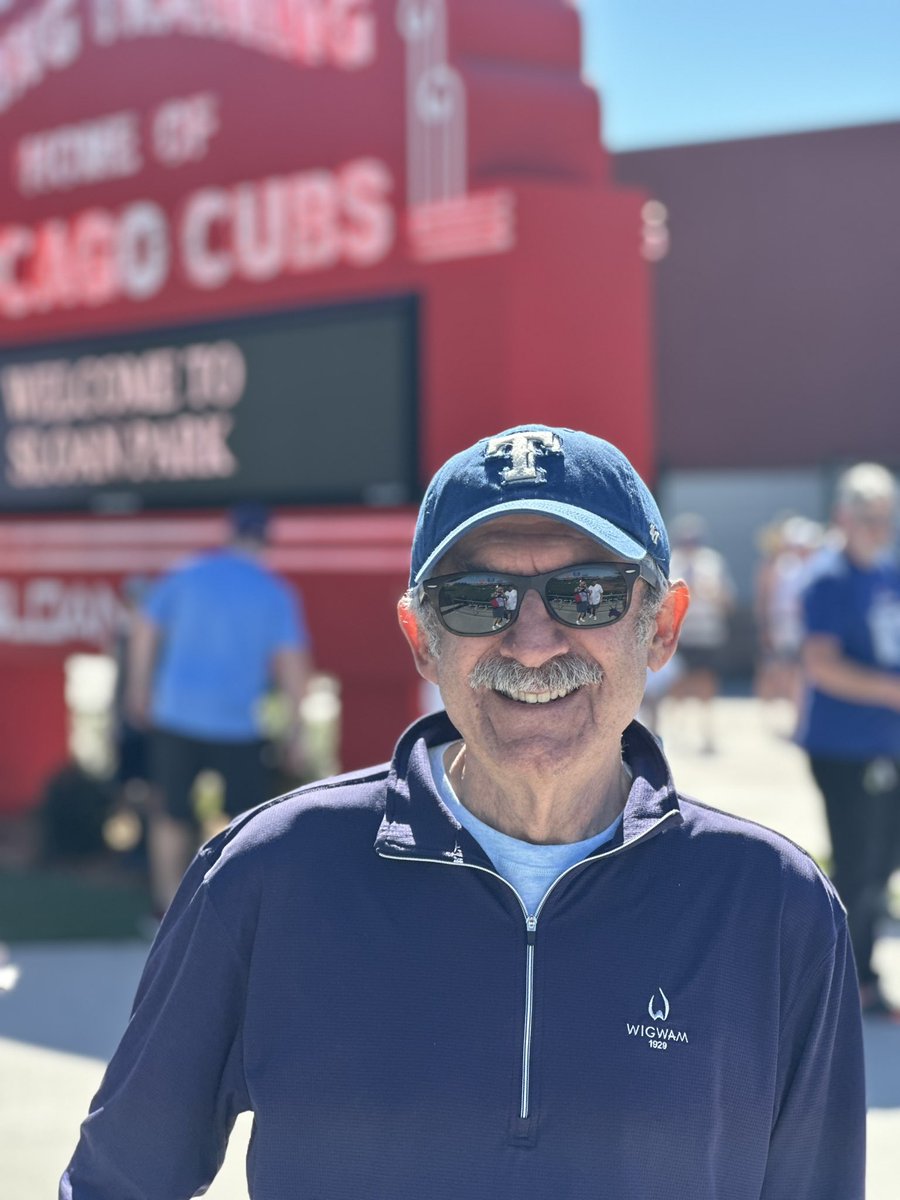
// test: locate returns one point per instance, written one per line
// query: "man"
(513, 962)
(582, 601)
(786, 549)
(705, 634)
(851, 723)
(595, 595)
(212, 637)
(511, 599)
(498, 604)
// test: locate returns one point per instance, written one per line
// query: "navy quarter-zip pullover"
(677, 1020)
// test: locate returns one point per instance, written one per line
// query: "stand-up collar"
(417, 824)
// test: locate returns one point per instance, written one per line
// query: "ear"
(668, 625)
(418, 643)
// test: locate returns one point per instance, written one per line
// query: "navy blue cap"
(249, 519)
(574, 477)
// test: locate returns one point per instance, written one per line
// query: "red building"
(775, 305)
(297, 252)
(776, 358)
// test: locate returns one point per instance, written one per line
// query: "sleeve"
(289, 630)
(159, 603)
(817, 1146)
(159, 1125)
(822, 608)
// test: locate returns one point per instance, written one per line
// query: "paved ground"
(63, 1016)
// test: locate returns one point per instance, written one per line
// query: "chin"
(526, 745)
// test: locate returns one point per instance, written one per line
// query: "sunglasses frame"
(646, 570)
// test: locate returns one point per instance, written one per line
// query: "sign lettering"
(47, 38)
(253, 231)
(69, 156)
(50, 611)
(52, 35)
(213, 414)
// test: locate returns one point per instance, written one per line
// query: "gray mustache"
(559, 674)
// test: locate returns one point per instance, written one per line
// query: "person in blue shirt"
(850, 725)
(515, 961)
(213, 636)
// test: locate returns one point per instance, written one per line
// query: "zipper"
(531, 922)
(531, 934)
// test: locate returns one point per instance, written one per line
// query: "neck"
(249, 547)
(548, 811)
(864, 559)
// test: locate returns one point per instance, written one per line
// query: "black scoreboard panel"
(311, 406)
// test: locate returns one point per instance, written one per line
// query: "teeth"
(538, 697)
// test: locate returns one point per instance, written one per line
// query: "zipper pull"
(530, 930)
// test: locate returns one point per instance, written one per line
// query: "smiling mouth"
(536, 697)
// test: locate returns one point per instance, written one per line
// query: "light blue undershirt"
(530, 868)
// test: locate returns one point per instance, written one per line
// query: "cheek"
(628, 665)
(452, 667)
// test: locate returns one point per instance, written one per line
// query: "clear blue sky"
(675, 71)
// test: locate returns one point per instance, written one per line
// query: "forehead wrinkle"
(466, 566)
(454, 563)
(517, 533)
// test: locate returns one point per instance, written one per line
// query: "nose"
(534, 637)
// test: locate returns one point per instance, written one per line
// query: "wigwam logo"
(663, 1013)
(659, 1035)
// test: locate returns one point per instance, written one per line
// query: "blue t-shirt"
(860, 608)
(530, 868)
(221, 616)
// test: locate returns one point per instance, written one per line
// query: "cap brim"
(603, 532)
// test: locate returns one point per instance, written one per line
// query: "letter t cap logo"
(522, 450)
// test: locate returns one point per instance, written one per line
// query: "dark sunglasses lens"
(589, 596)
(477, 604)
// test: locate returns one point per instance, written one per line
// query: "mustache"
(564, 673)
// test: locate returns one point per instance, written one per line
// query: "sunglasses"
(589, 595)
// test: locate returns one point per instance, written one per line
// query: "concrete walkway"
(61, 1019)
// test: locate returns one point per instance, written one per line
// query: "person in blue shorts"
(850, 724)
(212, 637)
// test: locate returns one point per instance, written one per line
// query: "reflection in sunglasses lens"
(588, 597)
(475, 605)
(479, 604)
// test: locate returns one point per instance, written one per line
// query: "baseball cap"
(249, 519)
(574, 477)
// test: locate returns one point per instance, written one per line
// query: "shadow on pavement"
(882, 1041)
(882, 1037)
(72, 997)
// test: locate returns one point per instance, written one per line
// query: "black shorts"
(132, 754)
(176, 761)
